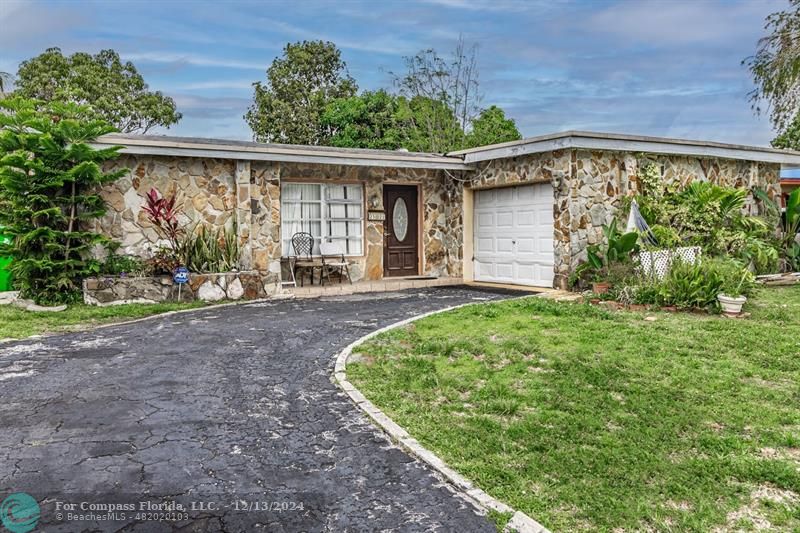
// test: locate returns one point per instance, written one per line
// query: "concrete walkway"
(228, 412)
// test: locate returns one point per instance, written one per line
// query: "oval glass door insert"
(400, 220)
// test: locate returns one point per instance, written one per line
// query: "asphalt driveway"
(223, 419)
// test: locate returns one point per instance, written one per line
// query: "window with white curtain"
(327, 211)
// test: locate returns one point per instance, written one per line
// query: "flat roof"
(628, 143)
(457, 160)
(254, 151)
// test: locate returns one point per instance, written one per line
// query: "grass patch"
(586, 419)
(16, 323)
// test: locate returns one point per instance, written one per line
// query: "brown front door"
(400, 253)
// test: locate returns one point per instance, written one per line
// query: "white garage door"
(514, 235)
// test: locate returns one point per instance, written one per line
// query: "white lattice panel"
(658, 262)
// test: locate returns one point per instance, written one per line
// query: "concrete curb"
(520, 522)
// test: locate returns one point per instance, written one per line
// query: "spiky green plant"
(204, 250)
(49, 175)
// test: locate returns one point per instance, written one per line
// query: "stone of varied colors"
(590, 186)
(589, 189)
(207, 287)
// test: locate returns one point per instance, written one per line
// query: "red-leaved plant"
(163, 213)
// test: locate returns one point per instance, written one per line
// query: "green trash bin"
(5, 275)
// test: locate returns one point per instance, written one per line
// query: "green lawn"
(586, 419)
(16, 323)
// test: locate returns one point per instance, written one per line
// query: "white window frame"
(325, 219)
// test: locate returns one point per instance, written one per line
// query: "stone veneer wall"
(220, 192)
(589, 187)
(442, 228)
(205, 186)
(112, 290)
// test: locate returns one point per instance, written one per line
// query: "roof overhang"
(628, 143)
(250, 151)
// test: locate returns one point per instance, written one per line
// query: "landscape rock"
(235, 289)
(210, 292)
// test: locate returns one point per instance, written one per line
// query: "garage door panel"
(527, 218)
(486, 245)
(504, 271)
(505, 219)
(514, 235)
(505, 245)
(526, 246)
(486, 269)
(485, 220)
(504, 197)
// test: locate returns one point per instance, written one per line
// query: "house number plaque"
(376, 216)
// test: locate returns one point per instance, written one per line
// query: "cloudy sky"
(663, 67)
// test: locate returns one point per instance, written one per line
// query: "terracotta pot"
(731, 306)
(601, 287)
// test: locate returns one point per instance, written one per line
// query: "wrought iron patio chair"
(333, 260)
(303, 258)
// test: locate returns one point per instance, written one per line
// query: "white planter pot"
(731, 306)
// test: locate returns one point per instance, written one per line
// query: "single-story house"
(521, 212)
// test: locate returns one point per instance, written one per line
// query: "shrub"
(735, 280)
(711, 217)
(163, 213)
(123, 265)
(200, 249)
(48, 180)
(606, 260)
(204, 250)
(163, 261)
(691, 285)
(688, 285)
(789, 227)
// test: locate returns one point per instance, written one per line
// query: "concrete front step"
(368, 286)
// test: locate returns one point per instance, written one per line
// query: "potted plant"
(601, 259)
(601, 287)
(734, 284)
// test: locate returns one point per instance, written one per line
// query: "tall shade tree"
(776, 67)
(288, 108)
(115, 91)
(789, 138)
(491, 127)
(452, 83)
(376, 120)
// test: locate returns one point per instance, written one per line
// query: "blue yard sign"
(180, 275)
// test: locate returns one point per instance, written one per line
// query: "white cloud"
(196, 60)
(216, 84)
(658, 22)
(492, 5)
(31, 24)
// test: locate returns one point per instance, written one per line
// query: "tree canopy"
(775, 67)
(789, 138)
(370, 120)
(115, 91)
(490, 127)
(310, 99)
(288, 108)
